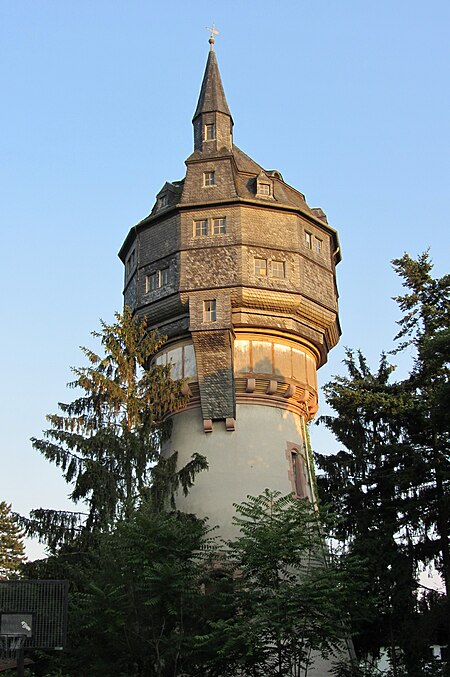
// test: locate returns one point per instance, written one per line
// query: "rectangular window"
(209, 178)
(200, 228)
(219, 226)
(157, 279)
(278, 269)
(163, 277)
(131, 262)
(264, 189)
(163, 201)
(209, 311)
(308, 240)
(261, 267)
(298, 473)
(210, 132)
(152, 281)
(317, 245)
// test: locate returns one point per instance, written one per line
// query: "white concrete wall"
(245, 461)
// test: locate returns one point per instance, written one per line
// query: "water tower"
(238, 272)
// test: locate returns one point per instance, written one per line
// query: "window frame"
(130, 263)
(219, 225)
(152, 281)
(201, 225)
(210, 310)
(308, 240)
(209, 178)
(264, 189)
(318, 245)
(209, 131)
(299, 480)
(258, 269)
(163, 201)
(157, 279)
(275, 264)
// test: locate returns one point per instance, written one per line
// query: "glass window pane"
(261, 267)
(190, 366)
(282, 356)
(262, 357)
(175, 359)
(242, 356)
(219, 226)
(278, 269)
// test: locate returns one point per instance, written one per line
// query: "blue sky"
(349, 100)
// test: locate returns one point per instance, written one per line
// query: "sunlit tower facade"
(238, 272)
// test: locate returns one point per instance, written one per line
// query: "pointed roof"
(212, 97)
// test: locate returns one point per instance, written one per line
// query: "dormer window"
(210, 132)
(209, 178)
(163, 201)
(264, 186)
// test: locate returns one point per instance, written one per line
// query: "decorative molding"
(207, 425)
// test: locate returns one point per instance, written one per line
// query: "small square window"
(264, 189)
(219, 226)
(261, 267)
(163, 201)
(210, 132)
(209, 311)
(209, 178)
(308, 240)
(278, 269)
(317, 245)
(152, 281)
(200, 228)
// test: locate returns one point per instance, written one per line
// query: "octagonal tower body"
(239, 274)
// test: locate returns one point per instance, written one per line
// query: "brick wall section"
(223, 309)
(318, 283)
(209, 267)
(213, 352)
(159, 240)
(302, 304)
(270, 228)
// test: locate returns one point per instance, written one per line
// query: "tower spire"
(212, 118)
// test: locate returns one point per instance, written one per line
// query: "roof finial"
(214, 32)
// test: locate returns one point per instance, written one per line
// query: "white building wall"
(256, 456)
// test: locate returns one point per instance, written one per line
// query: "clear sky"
(348, 99)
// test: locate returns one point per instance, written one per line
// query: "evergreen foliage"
(107, 441)
(12, 554)
(391, 482)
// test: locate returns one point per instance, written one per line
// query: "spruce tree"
(107, 441)
(391, 482)
(12, 553)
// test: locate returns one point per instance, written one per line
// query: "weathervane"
(214, 32)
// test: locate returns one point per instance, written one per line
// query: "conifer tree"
(107, 441)
(391, 482)
(12, 553)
